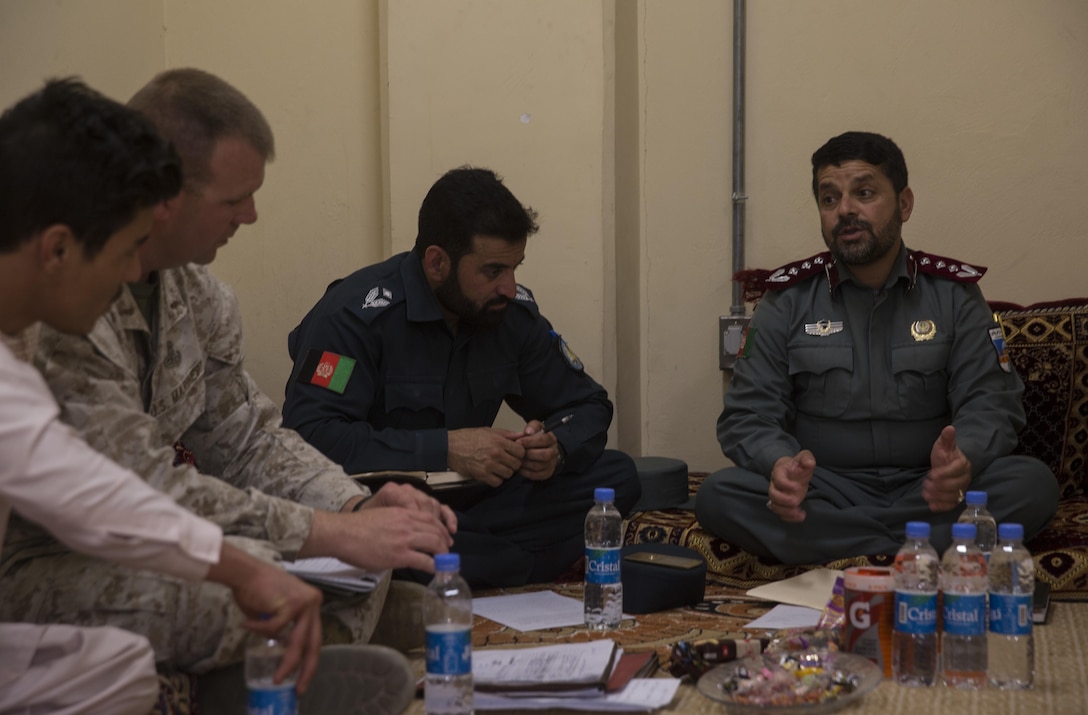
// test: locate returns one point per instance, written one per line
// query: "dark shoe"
(359, 680)
(400, 625)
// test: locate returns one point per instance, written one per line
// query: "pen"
(557, 421)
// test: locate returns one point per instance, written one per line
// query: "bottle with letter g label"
(869, 592)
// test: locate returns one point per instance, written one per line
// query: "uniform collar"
(421, 304)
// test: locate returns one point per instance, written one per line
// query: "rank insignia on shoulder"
(568, 354)
(823, 328)
(997, 337)
(943, 267)
(522, 293)
(377, 298)
(327, 370)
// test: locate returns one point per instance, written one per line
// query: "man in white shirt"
(79, 175)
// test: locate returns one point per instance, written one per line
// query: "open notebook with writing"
(426, 480)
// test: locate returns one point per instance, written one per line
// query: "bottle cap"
(917, 530)
(447, 562)
(975, 498)
(964, 531)
(604, 494)
(1010, 531)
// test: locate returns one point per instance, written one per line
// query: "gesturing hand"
(949, 473)
(790, 478)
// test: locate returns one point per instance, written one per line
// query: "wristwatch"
(561, 461)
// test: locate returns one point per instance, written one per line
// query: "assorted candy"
(786, 679)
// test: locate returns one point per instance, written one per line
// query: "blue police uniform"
(413, 380)
(867, 379)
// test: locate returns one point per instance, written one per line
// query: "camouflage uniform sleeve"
(99, 395)
(239, 436)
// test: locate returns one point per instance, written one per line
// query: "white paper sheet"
(786, 617)
(531, 611)
(811, 589)
(334, 572)
(640, 695)
(571, 663)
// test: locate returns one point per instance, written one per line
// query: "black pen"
(556, 422)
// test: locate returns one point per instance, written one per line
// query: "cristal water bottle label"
(449, 652)
(273, 700)
(916, 613)
(1010, 614)
(964, 614)
(602, 565)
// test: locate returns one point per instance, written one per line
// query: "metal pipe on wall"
(738, 152)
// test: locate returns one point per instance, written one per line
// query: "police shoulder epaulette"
(524, 298)
(793, 273)
(943, 267)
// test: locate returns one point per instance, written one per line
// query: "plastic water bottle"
(603, 599)
(447, 618)
(986, 528)
(1012, 584)
(963, 590)
(263, 656)
(914, 637)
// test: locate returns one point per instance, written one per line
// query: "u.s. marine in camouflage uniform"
(872, 388)
(165, 366)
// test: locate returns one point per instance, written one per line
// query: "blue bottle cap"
(447, 562)
(1011, 531)
(917, 530)
(604, 494)
(975, 498)
(964, 531)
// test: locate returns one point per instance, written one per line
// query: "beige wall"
(626, 151)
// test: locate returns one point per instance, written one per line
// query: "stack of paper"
(334, 574)
(578, 676)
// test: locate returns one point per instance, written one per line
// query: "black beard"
(453, 299)
(863, 253)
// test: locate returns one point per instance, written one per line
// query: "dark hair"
(69, 155)
(469, 202)
(871, 148)
(194, 109)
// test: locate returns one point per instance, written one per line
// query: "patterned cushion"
(177, 694)
(1049, 347)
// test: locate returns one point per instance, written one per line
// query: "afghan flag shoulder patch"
(327, 370)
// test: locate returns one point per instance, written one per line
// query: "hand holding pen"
(542, 451)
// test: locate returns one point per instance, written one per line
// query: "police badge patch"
(997, 337)
(567, 353)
